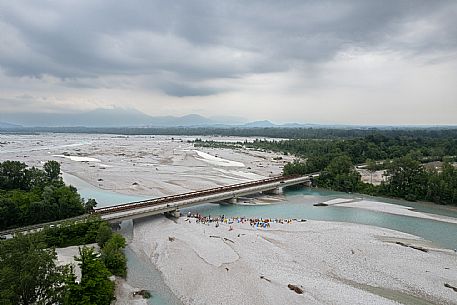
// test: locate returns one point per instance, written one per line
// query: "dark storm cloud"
(178, 45)
(179, 90)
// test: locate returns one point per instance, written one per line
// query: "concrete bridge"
(172, 204)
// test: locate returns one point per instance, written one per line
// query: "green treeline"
(400, 152)
(315, 132)
(406, 176)
(374, 147)
(408, 179)
(30, 195)
(29, 275)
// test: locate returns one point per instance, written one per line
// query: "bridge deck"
(170, 203)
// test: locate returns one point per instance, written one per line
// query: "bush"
(410, 197)
(113, 257)
(72, 234)
(104, 234)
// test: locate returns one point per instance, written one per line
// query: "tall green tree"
(90, 205)
(13, 175)
(112, 255)
(28, 273)
(30, 196)
(340, 175)
(104, 234)
(52, 170)
(95, 286)
(442, 185)
(406, 178)
(371, 167)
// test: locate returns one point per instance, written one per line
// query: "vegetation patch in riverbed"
(29, 272)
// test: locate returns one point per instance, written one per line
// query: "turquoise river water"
(297, 204)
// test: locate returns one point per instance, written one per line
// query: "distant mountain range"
(120, 117)
(4, 125)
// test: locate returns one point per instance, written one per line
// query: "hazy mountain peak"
(123, 117)
(263, 123)
(8, 125)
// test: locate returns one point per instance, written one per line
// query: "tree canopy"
(30, 195)
(28, 274)
(95, 286)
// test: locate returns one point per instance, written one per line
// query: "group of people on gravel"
(254, 222)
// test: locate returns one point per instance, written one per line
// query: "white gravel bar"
(389, 208)
(334, 263)
(152, 166)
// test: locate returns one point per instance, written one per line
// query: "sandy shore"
(334, 263)
(387, 208)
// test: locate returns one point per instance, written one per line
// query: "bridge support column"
(233, 200)
(275, 191)
(115, 226)
(308, 183)
(175, 213)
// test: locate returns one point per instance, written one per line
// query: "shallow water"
(298, 204)
(144, 275)
(103, 197)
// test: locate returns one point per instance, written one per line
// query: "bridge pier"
(308, 183)
(233, 200)
(275, 191)
(115, 225)
(175, 213)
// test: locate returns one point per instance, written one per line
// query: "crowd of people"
(254, 222)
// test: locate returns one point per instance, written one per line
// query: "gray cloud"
(183, 48)
(179, 90)
(207, 39)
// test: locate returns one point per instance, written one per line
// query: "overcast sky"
(359, 62)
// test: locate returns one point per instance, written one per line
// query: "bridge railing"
(42, 225)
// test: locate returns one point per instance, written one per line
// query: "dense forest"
(29, 274)
(315, 132)
(377, 146)
(30, 195)
(28, 270)
(400, 153)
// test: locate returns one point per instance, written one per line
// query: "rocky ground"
(143, 165)
(331, 263)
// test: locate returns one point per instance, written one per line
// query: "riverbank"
(384, 207)
(336, 263)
